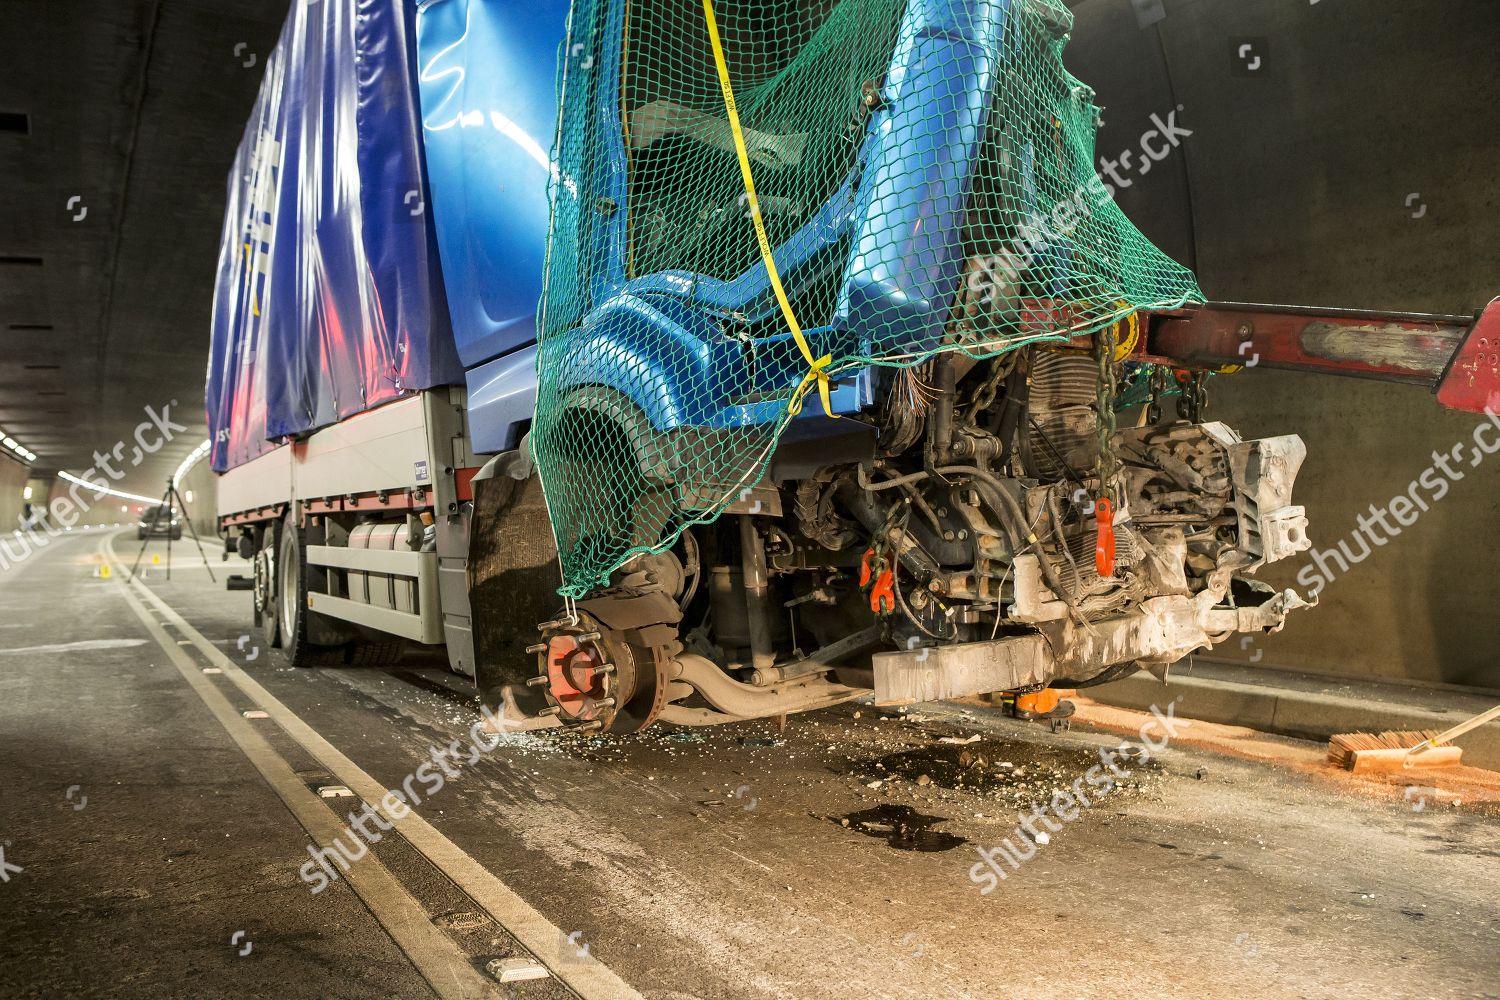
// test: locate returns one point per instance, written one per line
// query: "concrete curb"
(1308, 715)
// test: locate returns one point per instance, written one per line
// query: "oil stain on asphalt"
(903, 828)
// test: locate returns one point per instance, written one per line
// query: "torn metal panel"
(932, 673)
(1164, 630)
(1264, 470)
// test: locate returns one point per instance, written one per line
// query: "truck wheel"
(376, 652)
(267, 613)
(307, 639)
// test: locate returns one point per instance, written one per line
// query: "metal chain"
(1156, 382)
(1194, 398)
(1105, 342)
(1000, 369)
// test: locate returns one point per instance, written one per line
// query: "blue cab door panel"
(487, 78)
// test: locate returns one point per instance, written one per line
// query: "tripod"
(171, 500)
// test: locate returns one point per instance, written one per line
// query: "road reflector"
(156, 560)
(515, 970)
(255, 713)
(212, 670)
(335, 792)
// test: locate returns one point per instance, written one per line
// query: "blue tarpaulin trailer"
(328, 300)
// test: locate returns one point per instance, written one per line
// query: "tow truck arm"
(1456, 357)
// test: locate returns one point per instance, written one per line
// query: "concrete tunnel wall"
(12, 486)
(109, 510)
(1294, 188)
(92, 510)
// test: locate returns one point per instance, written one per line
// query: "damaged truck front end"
(917, 570)
(1199, 509)
(830, 375)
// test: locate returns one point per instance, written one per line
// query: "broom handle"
(1458, 730)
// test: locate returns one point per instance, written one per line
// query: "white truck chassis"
(398, 474)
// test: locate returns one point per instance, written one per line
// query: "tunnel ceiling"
(118, 122)
(1293, 186)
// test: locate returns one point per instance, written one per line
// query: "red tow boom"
(1457, 357)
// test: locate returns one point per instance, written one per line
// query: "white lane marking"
(82, 646)
(585, 974)
(439, 961)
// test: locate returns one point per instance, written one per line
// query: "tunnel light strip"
(17, 447)
(101, 488)
(194, 457)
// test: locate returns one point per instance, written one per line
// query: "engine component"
(1061, 439)
(816, 515)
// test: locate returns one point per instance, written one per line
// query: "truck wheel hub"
(574, 681)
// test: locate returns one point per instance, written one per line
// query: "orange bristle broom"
(1396, 751)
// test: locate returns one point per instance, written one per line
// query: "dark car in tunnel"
(159, 522)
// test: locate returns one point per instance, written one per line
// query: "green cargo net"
(923, 181)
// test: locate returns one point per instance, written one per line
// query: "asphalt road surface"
(156, 839)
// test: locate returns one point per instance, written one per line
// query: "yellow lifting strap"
(817, 373)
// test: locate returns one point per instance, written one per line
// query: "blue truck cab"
(492, 79)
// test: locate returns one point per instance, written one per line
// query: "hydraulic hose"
(996, 493)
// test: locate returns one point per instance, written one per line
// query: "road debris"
(903, 828)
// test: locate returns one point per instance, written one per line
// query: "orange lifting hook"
(1104, 543)
(883, 592)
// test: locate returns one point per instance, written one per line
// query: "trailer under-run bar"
(1457, 357)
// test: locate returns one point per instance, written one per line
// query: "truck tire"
(267, 611)
(307, 639)
(375, 652)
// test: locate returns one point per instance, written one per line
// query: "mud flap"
(513, 578)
